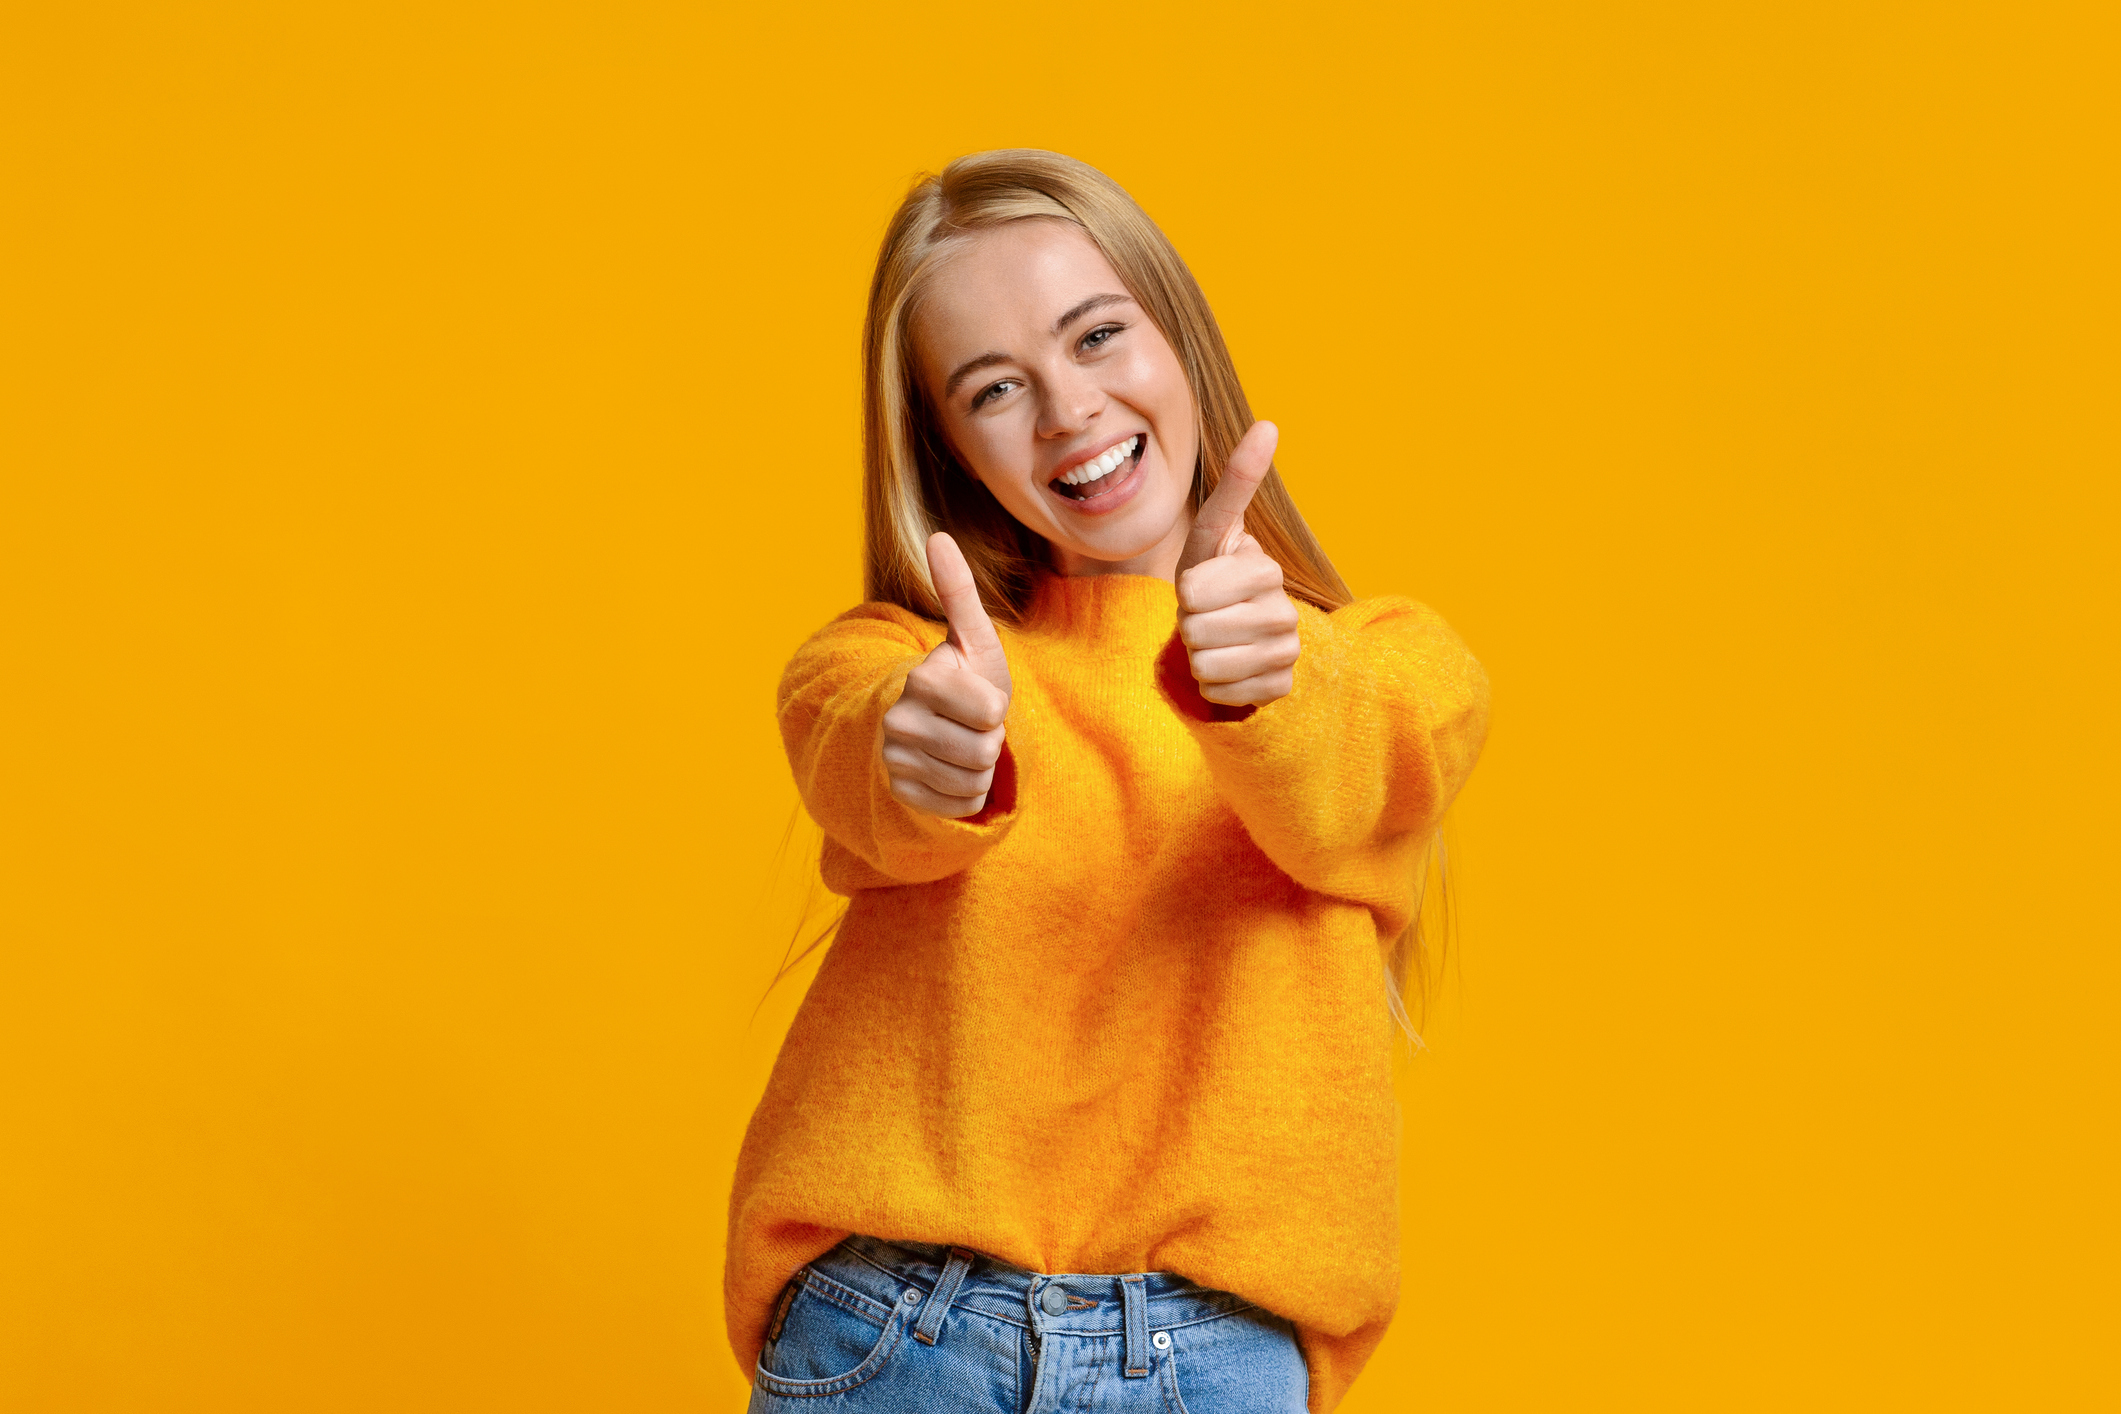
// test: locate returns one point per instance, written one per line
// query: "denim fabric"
(848, 1334)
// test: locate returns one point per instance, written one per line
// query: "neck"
(1159, 561)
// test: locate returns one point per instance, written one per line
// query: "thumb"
(1221, 518)
(970, 629)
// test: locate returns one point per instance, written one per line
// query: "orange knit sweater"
(1132, 1017)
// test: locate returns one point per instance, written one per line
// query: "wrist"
(1174, 674)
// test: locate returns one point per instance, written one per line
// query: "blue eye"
(992, 391)
(1100, 336)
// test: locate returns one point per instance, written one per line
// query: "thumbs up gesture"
(1238, 627)
(944, 734)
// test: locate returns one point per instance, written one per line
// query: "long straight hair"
(913, 485)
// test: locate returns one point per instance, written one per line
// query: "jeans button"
(1161, 1340)
(912, 1296)
(1055, 1301)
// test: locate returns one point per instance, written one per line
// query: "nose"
(1070, 401)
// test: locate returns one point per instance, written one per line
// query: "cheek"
(991, 449)
(1156, 384)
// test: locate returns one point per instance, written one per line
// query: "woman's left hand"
(1238, 627)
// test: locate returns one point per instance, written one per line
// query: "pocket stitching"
(886, 1344)
(847, 1298)
(1172, 1397)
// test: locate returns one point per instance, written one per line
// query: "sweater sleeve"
(833, 697)
(1342, 782)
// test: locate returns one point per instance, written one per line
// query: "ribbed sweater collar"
(1124, 615)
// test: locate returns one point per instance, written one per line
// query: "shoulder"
(874, 627)
(1392, 631)
(1386, 616)
(866, 641)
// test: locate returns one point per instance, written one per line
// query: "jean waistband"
(1087, 1304)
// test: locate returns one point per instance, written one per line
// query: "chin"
(1119, 549)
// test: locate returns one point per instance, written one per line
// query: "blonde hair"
(913, 486)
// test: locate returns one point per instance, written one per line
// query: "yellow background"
(428, 428)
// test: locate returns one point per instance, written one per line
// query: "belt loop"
(1134, 1294)
(930, 1324)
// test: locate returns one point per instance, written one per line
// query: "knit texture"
(1132, 1017)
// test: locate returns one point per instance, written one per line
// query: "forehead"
(1002, 290)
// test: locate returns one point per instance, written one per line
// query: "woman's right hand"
(944, 734)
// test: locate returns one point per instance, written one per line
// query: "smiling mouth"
(1102, 475)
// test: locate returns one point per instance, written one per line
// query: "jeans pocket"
(1245, 1363)
(830, 1338)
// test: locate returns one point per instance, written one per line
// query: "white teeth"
(1103, 466)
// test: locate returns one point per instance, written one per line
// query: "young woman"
(1090, 1104)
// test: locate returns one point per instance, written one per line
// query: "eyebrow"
(971, 366)
(987, 360)
(1094, 302)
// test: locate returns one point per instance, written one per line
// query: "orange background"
(428, 429)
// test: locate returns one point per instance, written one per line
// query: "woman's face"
(1058, 392)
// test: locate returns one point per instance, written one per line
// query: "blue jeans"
(898, 1328)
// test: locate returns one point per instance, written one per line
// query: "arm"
(1342, 781)
(833, 698)
(1339, 739)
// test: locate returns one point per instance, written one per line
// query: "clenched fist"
(944, 734)
(1238, 627)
